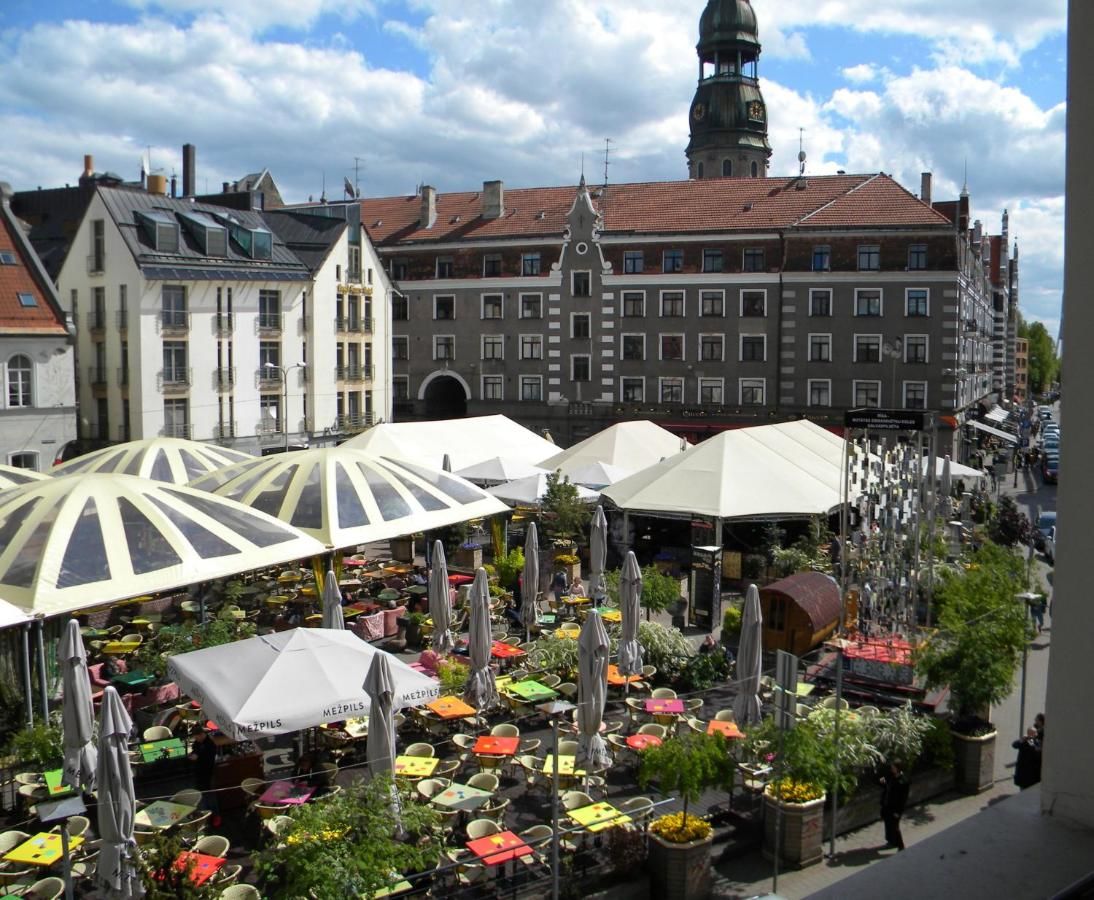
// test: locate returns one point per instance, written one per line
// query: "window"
(174, 362)
(633, 346)
(713, 260)
(444, 307)
(753, 303)
(917, 256)
(869, 257)
(173, 299)
(529, 264)
(400, 387)
(753, 259)
(712, 303)
(444, 267)
(582, 283)
(822, 259)
(492, 306)
(699, 171)
(269, 310)
(26, 299)
(752, 391)
(711, 391)
(98, 245)
(28, 459)
(176, 417)
(755, 169)
(444, 346)
(753, 348)
(633, 263)
(672, 346)
(820, 392)
(632, 390)
(493, 346)
(712, 347)
(531, 346)
(867, 348)
(820, 348)
(531, 387)
(398, 269)
(580, 326)
(492, 387)
(867, 393)
(634, 304)
(727, 168)
(531, 306)
(491, 265)
(915, 348)
(400, 347)
(580, 368)
(19, 382)
(820, 302)
(867, 302)
(400, 309)
(916, 302)
(672, 261)
(7, 258)
(915, 395)
(269, 361)
(672, 304)
(671, 390)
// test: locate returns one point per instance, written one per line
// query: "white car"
(1050, 545)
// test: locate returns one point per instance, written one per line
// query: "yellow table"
(120, 648)
(163, 814)
(598, 816)
(415, 766)
(565, 765)
(42, 850)
(571, 634)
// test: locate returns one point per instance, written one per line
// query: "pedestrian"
(559, 585)
(1037, 607)
(894, 797)
(1039, 724)
(1027, 768)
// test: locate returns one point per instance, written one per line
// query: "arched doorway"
(445, 398)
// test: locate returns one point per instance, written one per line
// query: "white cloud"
(860, 74)
(259, 15)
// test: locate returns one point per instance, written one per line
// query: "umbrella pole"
(27, 690)
(67, 860)
(554, 819)
(42, 669)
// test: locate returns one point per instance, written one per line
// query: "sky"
(396, 93)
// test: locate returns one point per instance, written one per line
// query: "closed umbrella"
(117, 869)
(630, 596)
(947, 478)
(746, 705)
(481, 691)
(598, 553)
(592, 691)
(332, 602)
(440, 609)
(529, 590)
(77, 714)
(380, 687)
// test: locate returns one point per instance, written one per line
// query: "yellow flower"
(675, 830)
(790, 791)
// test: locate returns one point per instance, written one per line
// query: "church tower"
(728, 116)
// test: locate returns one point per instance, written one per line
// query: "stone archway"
(445, 397)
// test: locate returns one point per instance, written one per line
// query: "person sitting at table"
(512, 612)
(577, 589)
(419, 577)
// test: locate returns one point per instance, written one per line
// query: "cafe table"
(598, 816)
(163, 814)
(531, 691)
(44, 849)
(462, 796)
(201, 866)
(642, 741)
(671, 707)
(451, 708)
(54, 785)
(547, 619)
(617, 679)
(415, 766)
(120, 648)
(287, 793)
(729, 729)
(132, 682)
(609, 613)
(94, 634)
(172, 748)
(496, 849)
(566, 765)
(495, 745)
(501, 650)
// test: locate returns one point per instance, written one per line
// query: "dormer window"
(210, 236)
(160, 228)
(255, 242)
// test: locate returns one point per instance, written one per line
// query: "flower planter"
(974, 762)
(801, 838)
(679, 871)
(468, 559)
(864, 808)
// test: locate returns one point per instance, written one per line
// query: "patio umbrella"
(630, 598)
(379, 684)
(947, 478)
(597, 475)
(13, 476)
(530, 490)
(746, 705)
(529, 589)
(499, 469)
(481, 692)
(344, 497)
(117, 870)
(440, 609)
(173, 460)
(77, 713)
(592, 691)
(598, 553)
(332, 602)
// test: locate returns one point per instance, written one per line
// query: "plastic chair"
(187, 797)
(420, 749)
(833, 701)
(191, 829)
(484, 781)
(648, 672)
(495, 810)
(253, 787)
(531, 767)
(213, 845)
(696, 725)
(269, 810)
(505, 730)
(693, 705)
(277, 825)
(157, 733)
(531, 745)
(226, 875)
(654, 729)
(446, 768)
(576, 800)
(537, 835)
(9, 840)
(567, 748)
(663, 693)
(638, 808)
(77, 826)
(428, 788)
(551, 681)
(567, 689)
(45, 889)
(725, 715)
(241, 892)
(480, 828)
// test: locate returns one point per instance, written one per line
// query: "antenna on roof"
(801, 152)
(357, 177)
(607, 161)
(323, 196)
(583, 166)
(965, 186)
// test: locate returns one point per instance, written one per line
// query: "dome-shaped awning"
(173, 460)
(13, 476)
(727, 20)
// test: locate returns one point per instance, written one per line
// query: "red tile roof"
(42, 318)
(667, 207)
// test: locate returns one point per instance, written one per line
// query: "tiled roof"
(667, 207)
(44, 316)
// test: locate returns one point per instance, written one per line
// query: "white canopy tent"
(173, 460)
(529, 491)
(498, 470)
(283, 682)
(957, 470)
(629, 446)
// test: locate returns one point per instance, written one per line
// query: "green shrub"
(38, 746)
(703, 670)
(509, 567)
(663, 647)
(937, 748)
(753, 565)
(898, 733)
(731, 621)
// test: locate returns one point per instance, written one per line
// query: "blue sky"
(457, 92)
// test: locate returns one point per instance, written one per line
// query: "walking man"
(894, 796)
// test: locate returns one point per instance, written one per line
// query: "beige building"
(1021, 370)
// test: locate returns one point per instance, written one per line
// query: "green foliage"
(937, 749)
(789, 560)
(753, 565)
(453, 677)
(982, 629)
(160, 878)
(663, 647)
(659, 591)
(1044, 364)
(773, 537)
(688, 765)
(1009, 525)
(731, 621)
(233, 591)
(703, 670)
(151, 656)
(564, 514)
(348, 844)
(509, 566)
(898, 733)
(38, 746)
(555, 657)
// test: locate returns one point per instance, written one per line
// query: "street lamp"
(284, 370)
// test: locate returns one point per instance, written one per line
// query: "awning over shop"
(997, 414)
(996, 432)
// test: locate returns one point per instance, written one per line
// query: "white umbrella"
(332, 602)
(592, 691)
(529, 590)
(598, 553)
(597, 475)
(379, 685)
(77, 713)
(499, 469)
(173, 460)
(440, 608)
(947, 478)
(531, 490)
(116, 872)
(481, 691)
(746, 705)
(630, 598)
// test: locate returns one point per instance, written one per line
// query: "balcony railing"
(353, 373)
(264, 429)
(174, 320)
(96, 263)
(96, 376)
(177, 378)
(224, 378)
(177, 430)
(96, 320)
(269, 378)
(223, 324)
(353, 423)
(122, 318)
(269, 322)
(224, 431)
(341, 324)
(123, 377)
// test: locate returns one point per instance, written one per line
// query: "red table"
(665, 706)
(729, 729)
(493, 745)
(201, 866)
(642, 741)
(287, 792)
(457, 580)
(505, 651)
(499, 848)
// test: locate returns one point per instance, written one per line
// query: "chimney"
(925, 188)
(174, 186)
(977, 233)
(157, 184)
(428, 217)
(224, 187)
(189, 169)
(493, 199)
(89, 165)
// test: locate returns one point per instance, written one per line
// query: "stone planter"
(679, 871)
(865, 806)
(974, 762)
(801, 838)
(468, 559)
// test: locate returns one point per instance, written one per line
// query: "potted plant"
(468, 555)
(570, 563)
(414, 623)
(679, 849)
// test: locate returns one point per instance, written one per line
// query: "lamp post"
(553, 710)
(284, 370)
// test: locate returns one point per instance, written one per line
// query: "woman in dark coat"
(1027, 770)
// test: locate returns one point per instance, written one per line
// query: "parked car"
(1046, 521)
(1050, 468)
(1050, 545)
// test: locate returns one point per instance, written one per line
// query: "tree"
(688, 766)
(565, 515)
(659, 591)
(1009, 525)
(1044, 365)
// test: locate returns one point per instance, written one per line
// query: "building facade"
(1021, 370)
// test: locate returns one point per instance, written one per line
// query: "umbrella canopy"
(746, 705)
(592, 691)
(84, 540)
(629, 445)
(344, 497)
(499, 469)
(597, 475)
(77, 713)
(481, 691)
(440, 609)
(253, 688)
(117, 870)
(379, 685)
(598, 553)
(174, 460)
(947, 478)
(332, 602)
(529, 590)
(630, 599)
(530, 490)
(957, 470)
(13, 476)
